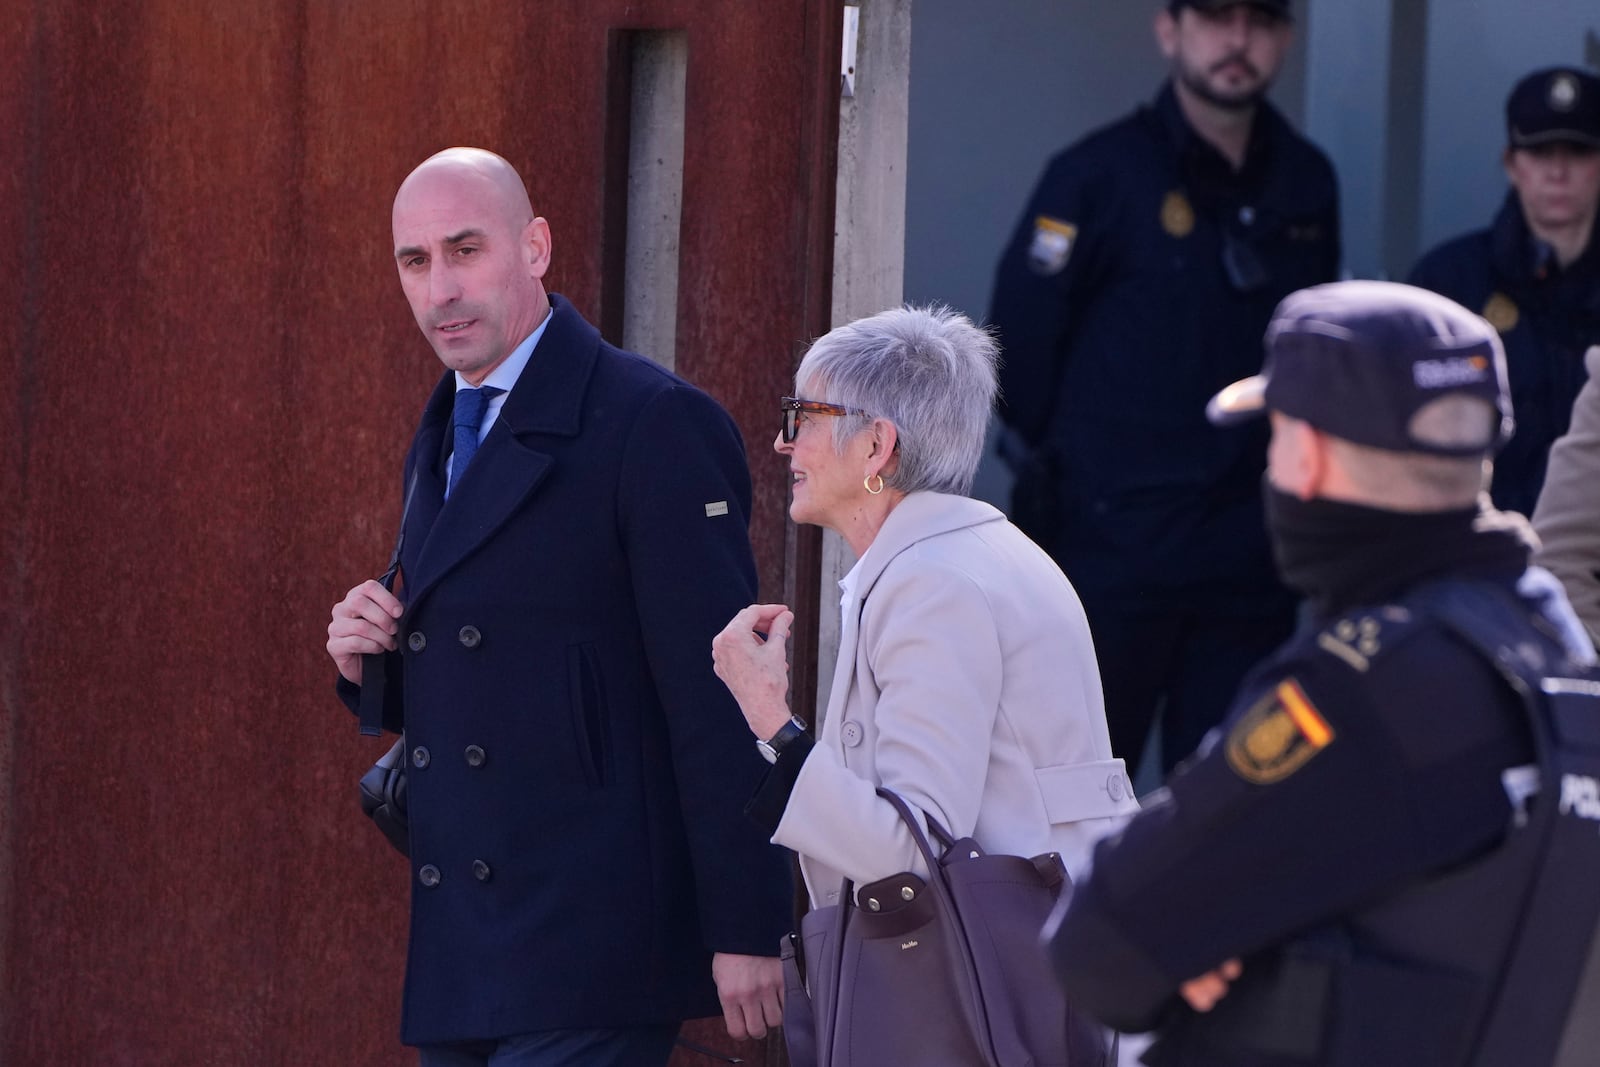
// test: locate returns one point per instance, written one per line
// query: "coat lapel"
(426, 461)
(494, 488)
(508, 469)
(918, 516)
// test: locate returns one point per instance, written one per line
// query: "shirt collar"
(1189, 144)
(1520, 255)
(510, 369)
(847, 590)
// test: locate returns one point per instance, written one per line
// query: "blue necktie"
(469, 409)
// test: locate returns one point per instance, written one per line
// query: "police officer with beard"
(1387, 854)
(1137, 283)
(1535, 273)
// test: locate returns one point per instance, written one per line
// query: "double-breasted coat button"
(481, 871)
(475, 756)
(428, 875)
(420, 757)
(417, 641)
(470, 637)
(850, 734)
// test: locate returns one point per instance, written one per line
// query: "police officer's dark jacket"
(1350, 831)
(1547, 316)
(1139, 281)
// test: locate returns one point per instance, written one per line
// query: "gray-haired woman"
(966, 679)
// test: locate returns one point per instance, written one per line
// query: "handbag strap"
(961, 957)
(946, 903)
(935, 827)
(827, 1008)
(372, 664)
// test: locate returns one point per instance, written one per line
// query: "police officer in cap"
(1359, 867)
(1535, 273)
(1137, 283)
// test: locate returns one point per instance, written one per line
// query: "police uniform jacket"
(576, 771)
(1362, 766)
(1138, 282)
(1547, 316)
(1567, 517)
(966, 683)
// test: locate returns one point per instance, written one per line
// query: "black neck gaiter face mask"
(1340, 555)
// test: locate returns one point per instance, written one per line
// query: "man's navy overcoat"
(576, 771)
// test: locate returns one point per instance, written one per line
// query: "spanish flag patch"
(1277, 736)
(1052, 244)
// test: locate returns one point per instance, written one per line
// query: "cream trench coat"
(966, 682)
(1567, 517)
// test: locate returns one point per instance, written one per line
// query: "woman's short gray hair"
(929, 370)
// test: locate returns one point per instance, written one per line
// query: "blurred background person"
(966, 678)
(1535, 272)
(1137, 283)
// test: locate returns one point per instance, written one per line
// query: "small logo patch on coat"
(1277, 736)
(716, 507)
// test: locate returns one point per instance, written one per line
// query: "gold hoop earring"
(866, 483)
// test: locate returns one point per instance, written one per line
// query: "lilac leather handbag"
(937, 972)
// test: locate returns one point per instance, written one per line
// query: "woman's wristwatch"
(773, 746)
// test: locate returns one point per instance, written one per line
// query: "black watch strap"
(773, 746)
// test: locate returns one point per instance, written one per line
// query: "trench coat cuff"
(771, 797)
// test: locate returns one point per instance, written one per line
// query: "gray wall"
(996, 89)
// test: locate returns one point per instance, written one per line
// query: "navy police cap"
(1365, 361)
(1276, 7)
(1561, 104)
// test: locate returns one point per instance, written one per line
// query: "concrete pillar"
(655, 194)
(869, 230)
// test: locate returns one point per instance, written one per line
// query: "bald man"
(583, 876)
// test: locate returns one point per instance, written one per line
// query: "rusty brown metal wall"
(16, 28)
(212, 376)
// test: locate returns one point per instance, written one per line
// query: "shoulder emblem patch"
(1277, 736)
(1355, 641)
(1177, 216)
(1052, 244)
(1502, 313)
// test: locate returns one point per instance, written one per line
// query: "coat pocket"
(591, 725)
